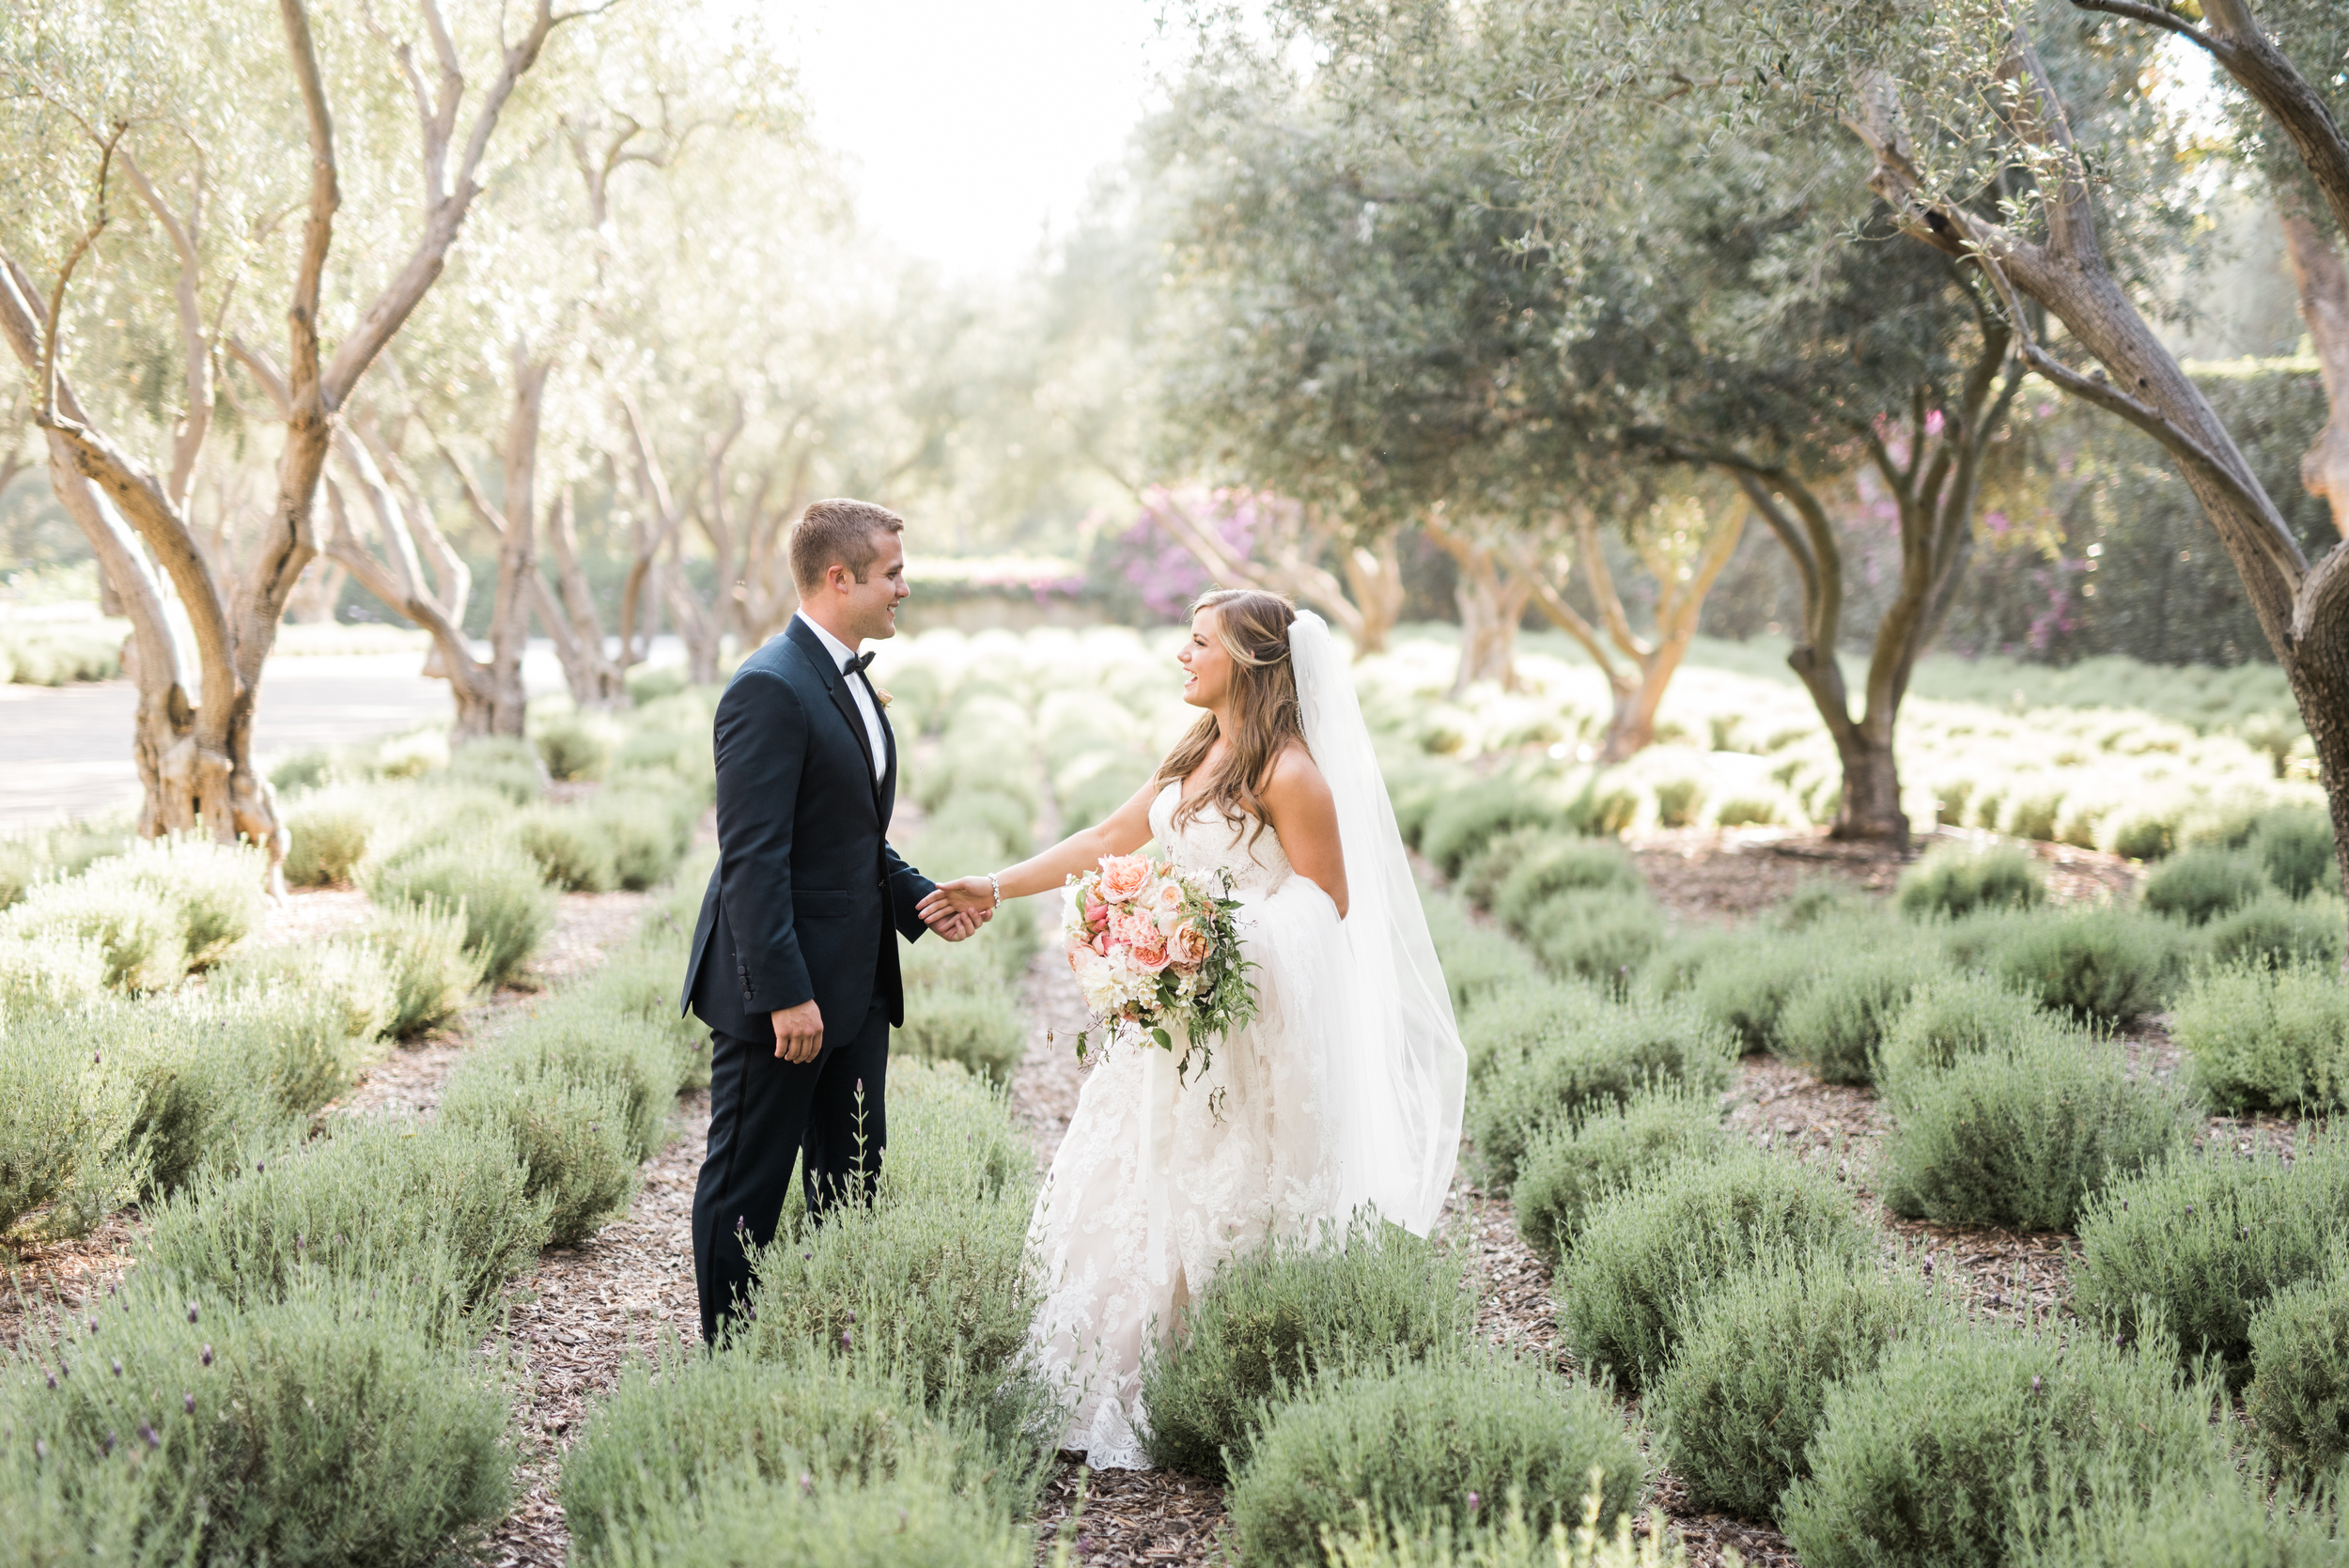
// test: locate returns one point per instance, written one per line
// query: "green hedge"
(1437, 1443)
(1271, 1320)
(2022, 1135)
(322, 1430)
(1647, 1254)
(1963, 1444)
(1737, 1407)
(2260, 1037)
(2195, 1246)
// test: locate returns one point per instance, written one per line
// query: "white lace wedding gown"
(1158, 1181)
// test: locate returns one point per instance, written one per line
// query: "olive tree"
(192, 154)
(1983, 152)
(1725, 306)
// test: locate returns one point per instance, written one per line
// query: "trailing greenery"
(2193, 1247)
(1600, 1061)
(1952, 879)
(1647, 1254)
(1736, 1407)
(2267, 1037)
(1568, 1170)
(2298, 1400)
(2021, 1134)
(1939, 1456)
(322, 1429)
(1273, 1319)
(1437, 1443)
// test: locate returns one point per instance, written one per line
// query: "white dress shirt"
(861, 688)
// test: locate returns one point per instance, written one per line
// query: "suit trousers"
(766, 1114)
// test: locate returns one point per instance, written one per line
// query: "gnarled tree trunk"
(1636, 685)
(2324, 285)
(1492, 594)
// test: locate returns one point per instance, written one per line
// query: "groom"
(794, 962)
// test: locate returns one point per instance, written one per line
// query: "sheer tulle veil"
(1403, 1076)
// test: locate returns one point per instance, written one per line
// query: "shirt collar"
(840, 651)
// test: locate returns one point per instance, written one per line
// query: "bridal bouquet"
(1156, 948)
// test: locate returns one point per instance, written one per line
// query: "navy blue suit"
(805, 904)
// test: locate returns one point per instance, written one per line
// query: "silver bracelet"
(997, 888)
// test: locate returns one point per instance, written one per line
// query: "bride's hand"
(972, 895)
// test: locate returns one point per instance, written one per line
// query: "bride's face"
(1208, 668)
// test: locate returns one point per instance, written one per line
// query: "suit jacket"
(807, 888)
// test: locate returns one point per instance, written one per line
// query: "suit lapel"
(819, 658)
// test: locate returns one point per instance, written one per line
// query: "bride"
(1344, 1093)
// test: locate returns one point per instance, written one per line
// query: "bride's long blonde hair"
(1252, 626)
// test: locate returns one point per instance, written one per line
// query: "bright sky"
(973, 126)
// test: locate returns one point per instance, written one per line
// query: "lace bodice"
(1257, 862)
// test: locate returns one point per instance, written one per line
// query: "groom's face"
(869, 608)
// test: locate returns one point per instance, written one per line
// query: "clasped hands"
(971, 899)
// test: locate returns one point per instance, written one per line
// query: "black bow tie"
(856, 664)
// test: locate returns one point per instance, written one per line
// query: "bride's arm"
(1298, 804)
(1125, 831)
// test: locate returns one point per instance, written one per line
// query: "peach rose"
(1188, 946)
(1148, 949)
(1123, 877)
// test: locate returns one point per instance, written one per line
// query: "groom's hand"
(799, 1032)
(955, 927)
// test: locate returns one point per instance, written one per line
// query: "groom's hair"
(838, 533)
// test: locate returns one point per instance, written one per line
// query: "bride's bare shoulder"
(1296, 777)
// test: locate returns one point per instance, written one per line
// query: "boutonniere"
(882, 693)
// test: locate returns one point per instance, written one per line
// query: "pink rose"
(1101, 944)
(1148, 949)
(1187, 947)
(1123, 877)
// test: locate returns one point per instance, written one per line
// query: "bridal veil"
(1404, 1077)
